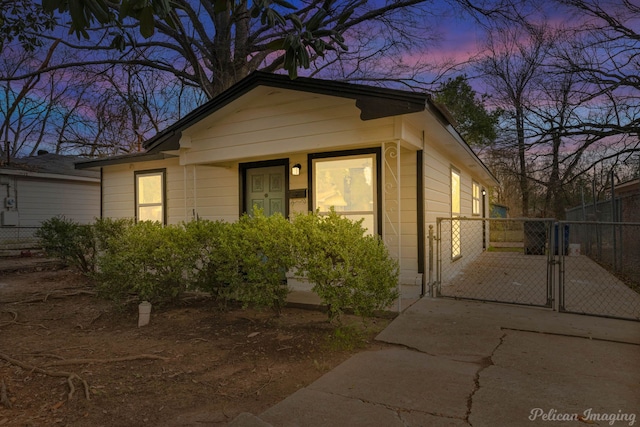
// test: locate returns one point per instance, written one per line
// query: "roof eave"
(117, 160)
(373, 102)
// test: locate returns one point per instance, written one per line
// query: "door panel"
(266, 189)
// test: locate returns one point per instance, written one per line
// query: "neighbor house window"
(475, 198)
(150, 196)
(455, 212)
(348, 184)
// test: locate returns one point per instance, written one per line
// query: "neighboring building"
(628, 195)
(625, 206)
(34, 189)
(499, 211)
(391, 157)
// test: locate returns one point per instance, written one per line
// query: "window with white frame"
(456, 245)
(347, 183)
(150, 195)
(475, 198)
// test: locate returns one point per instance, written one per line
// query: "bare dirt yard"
(69, 358)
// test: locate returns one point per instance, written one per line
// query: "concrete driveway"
(465, 363)
(518, 278)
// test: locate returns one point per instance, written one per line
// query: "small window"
(475, 202)
(150, 196)
(456, 244)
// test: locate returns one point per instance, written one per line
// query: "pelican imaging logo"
(587, 416)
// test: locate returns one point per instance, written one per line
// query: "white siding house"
(34, 189)
(383, 155)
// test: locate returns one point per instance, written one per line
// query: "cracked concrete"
(487, 362)
(458, 363)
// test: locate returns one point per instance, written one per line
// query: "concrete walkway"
(459, 363)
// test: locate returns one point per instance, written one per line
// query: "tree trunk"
(522, 173)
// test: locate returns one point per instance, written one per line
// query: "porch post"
(392, 206)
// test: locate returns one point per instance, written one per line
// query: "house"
(498, 211)
(389, 156)
(36, 188)
(628, 195)
(624, 208)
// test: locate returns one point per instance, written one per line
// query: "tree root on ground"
(14, 321)
(53, 295)
(71, 376)
(4, 399)
(114, 360)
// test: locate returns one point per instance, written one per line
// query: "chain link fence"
(624, 208)
(579, 267)
(15, 240)
(500, 260)
(600, 273)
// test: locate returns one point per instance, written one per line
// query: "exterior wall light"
(295, 169)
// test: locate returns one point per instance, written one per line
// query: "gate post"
(438, 264)
(559, 306)
(430, 286)
(552, 245)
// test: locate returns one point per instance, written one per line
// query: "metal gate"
(599, 269)
(587, 268)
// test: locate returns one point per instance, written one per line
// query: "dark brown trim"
(420, 207)
(242, 176)
(373, 102)
(118, 160)
(101, 193)
(163, 171)
(378, 156)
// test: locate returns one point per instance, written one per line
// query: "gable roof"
(373, 102)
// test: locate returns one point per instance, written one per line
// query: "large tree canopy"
(476, 124)
(212, 44)
(198, 48)
(25, 21)
(297, 34)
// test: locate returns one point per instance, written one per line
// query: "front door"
(266, 189)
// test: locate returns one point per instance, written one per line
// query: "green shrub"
(245, 261)
(106, 229)
(78, 245)
(348, 270)
(149, 260)
(216, 266)
(263, 246)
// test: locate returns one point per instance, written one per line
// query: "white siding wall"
(212, 195)
(217, 192)
(409, 217)
(284, 122)
(437, 173)
(39, 199)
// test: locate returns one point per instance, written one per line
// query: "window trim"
(476, 202)
(376, 151)
(456, 171)
(163, 174)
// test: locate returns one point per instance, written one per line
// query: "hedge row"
(245, 261)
